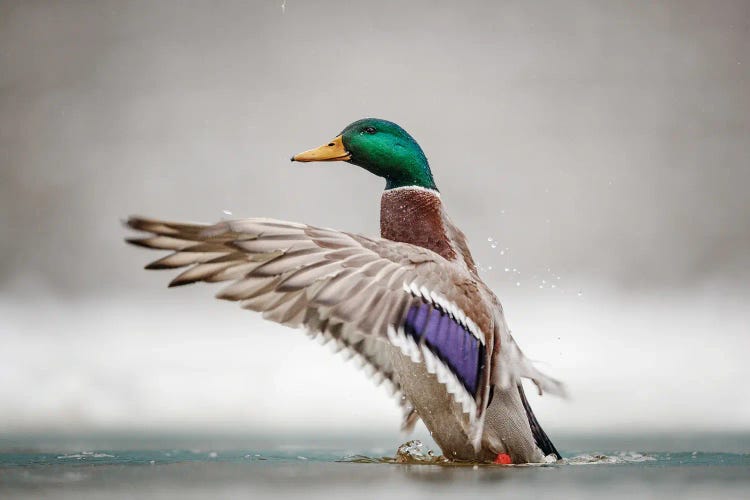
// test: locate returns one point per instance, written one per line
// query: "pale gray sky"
(603, 139)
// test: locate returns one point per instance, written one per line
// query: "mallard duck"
(410, 304)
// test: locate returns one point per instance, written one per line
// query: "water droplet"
(493, 244)
(507, 269)
(518, 283)
(490, 239)
(502, 252)
(580, 292)
(489, 268)
(227, 212)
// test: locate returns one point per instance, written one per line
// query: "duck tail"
(541, 438)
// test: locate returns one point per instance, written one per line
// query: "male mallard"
(410, 304)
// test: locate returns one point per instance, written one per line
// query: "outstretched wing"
(370, 296)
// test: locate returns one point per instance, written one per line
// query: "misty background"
(595, 153)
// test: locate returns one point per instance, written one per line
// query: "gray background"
(603, 145)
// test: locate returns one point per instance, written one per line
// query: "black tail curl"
(541, 438)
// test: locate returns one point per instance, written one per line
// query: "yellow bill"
(333, 151)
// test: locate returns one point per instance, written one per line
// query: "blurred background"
(595, 153)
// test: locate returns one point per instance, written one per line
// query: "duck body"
(410, 305)
(416, 216)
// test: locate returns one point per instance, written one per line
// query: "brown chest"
(415, 216)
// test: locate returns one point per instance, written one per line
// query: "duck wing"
(367, 295)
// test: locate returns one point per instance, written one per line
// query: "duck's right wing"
(368, 295)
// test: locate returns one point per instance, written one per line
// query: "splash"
(412, 453)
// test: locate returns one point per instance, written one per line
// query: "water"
(348, 467)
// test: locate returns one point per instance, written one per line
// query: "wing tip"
(179, 282)
(138, 242)
(224, 295)
(163, 227)
(156, 265)
(140, 223)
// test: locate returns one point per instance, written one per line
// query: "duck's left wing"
(369, 295)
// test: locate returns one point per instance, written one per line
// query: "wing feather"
(339, 286)
(344, 287)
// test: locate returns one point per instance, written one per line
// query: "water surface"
(357, 467)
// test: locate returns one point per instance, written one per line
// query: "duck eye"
(370, 130)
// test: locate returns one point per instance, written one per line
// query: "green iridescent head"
(381, 147)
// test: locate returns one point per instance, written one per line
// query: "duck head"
(381, 147)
